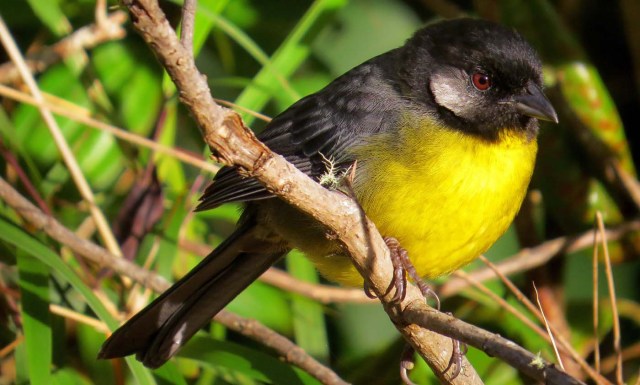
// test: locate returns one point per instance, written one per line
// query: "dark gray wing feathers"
(319, 127)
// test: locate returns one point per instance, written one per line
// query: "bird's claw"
(402, 267)
(407, 363)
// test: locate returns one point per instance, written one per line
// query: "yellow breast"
(445, 195)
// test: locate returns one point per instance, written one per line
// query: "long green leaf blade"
(10, 233)
(36, 319)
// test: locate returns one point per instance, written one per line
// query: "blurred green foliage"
(264, 55)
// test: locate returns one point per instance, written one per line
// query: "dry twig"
(186, 28)
(596, 302)
(564, 344)
(118, 132)
(612, 297)
(549, 332)
(82, 39)
(532, 257)
(60, 141)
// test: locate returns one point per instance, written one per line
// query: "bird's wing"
(319, 128)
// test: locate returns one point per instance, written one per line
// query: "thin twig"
(564, 344)
(322, 293)
(101, 12)
(530, 258)
(629, 183)
(246, 110)
(612, 297)
(596, 300)
(419, 314)
(98, 325)
(610, 363)
(546, 324)
(11, 160)
(83, 247)
(291, 352)
(60, 141)
(187, 25)
(139, 140)
(81, 39)
(505, 305)
(11, 346)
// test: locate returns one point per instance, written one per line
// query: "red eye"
(481, 81)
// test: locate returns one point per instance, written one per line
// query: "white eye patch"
(452, 90)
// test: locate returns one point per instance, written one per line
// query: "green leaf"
(252, 363)
(169, 374)
(265, 303)
(204, 23)
(34, 289)
(12, 234)
(68, 376)
(132, 81)
(51, 15)
(97, 153)
(341, 51)
(89, 341)
(287, 58)
(308, 315)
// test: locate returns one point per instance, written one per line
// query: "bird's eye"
(481, 81)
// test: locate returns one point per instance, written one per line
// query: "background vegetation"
(55, 308)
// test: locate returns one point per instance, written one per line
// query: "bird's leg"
(399, 281)
(402, 267)
(407, 363)
(457, 353)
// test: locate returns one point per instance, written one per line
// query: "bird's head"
(481, 77)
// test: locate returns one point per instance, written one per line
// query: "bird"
(439, 136)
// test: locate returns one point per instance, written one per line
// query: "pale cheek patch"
(450, 88)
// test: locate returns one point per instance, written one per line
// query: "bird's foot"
(407, 361)
(457, 354)
(402, 267)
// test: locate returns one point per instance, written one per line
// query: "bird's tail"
(159, 330)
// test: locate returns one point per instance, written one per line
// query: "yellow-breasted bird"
(444, 133)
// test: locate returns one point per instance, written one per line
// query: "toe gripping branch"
(402, 267)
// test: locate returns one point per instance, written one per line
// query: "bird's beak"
(535, 104)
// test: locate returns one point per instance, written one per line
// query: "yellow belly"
(446, 196)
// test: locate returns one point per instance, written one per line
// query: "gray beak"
(535, 104)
